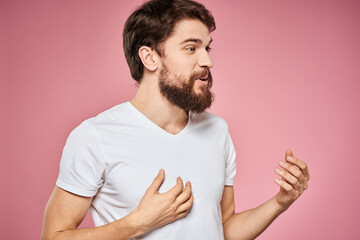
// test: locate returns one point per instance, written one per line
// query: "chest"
(135, 159)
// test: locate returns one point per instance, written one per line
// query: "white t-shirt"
(116, 155)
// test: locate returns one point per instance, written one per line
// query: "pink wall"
(287, 75)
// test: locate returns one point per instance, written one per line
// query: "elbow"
(227, 227)
(49, 236)
(227, 215)
(46, 234)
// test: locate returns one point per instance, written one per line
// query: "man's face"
(185, 79)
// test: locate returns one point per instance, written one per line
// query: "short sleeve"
(82, 162)
(230, 169)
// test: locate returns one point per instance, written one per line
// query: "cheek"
(181, 67)
(181, 73)
(182, 61)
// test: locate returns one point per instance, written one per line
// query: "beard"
(179, 91)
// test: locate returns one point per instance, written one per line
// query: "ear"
(147, 57)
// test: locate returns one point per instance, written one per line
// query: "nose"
(205, 60)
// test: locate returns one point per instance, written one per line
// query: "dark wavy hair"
(153, 22)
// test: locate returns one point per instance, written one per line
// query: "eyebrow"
(194, 40)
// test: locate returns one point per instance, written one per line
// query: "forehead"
(189, 28)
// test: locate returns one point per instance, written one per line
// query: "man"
(110, 161)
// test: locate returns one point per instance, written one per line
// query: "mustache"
(202, 73)
(199, 74)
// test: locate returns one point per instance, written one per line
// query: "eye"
(208, 49)
(190, 48)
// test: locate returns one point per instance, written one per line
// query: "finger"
(181, 215)
(186, 205)
(185, 195)
(177, 189)
(284, 185)
(159, 179)
(297, 173)
(288, 153)
(289, 178)
(301, 165)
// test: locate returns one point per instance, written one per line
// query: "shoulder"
(89, 127)
(113, 114)
(208, 119)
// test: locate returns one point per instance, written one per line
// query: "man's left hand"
(294, 175)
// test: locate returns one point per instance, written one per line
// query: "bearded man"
(110, 161)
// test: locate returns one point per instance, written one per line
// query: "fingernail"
(289, 158)
(278, 170)
(281, 163)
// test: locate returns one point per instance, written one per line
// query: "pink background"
(286, 75)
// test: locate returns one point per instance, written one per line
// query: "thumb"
(288, 153)
(159, 179)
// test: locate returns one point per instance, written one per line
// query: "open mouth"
(205, 78)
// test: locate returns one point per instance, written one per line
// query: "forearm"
(125, 228)
(251, 223)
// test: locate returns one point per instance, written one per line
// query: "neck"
(158, 109)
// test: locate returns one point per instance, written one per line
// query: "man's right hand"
(65, 211)
(158, 209)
